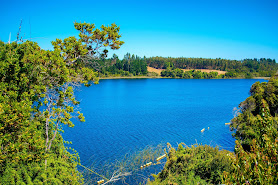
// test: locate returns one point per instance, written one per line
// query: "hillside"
(198, 68)
(158, 71)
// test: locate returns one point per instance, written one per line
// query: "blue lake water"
(125, 115)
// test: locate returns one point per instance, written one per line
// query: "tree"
(59, 98)
(23, 83)
(37, 89)
(245, 124)
(197, 164)
(96, 39)
(259, 165)
(92, 45)
(246, 68)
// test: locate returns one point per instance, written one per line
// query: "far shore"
(265, 78)
(153, 77)
(158, 72)
(128, 77)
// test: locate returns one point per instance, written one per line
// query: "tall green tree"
(245, 124)
(37, 98)
(259, 164)
(256, 127)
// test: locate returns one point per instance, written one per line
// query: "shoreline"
(128, 77)
(159, 77)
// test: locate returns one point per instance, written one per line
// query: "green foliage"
(61, 170)
(194, 74)
(129, 66)
(189, 179)
(247, 123)
(26, 73)
(132, 65)
(37, 98)
(196, 164)
(94, 39)
(246, 68)
(258, 164)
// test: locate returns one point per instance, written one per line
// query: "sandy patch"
(207, 70)
(158, 71)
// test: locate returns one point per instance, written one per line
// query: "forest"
(246, 68)
(37, 99)
(133, 65)
(130, 65)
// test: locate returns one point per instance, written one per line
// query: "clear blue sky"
(233, 29)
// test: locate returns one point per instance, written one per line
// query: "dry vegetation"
(158, 71)
(151, 69)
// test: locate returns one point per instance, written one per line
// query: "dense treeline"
(37, 99)
(28, 153)
(255, 159)
(246, 68)
(196, 74)
(130, 65)
(133, 65)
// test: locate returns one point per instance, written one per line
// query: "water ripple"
(124, 115)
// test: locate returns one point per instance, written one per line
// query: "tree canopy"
(37, 98)
(246, 68)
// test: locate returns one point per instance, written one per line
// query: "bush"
(202, 164)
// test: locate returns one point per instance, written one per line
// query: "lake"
(126, 115)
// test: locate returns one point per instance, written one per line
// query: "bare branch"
(56, 130)
(117, 175)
